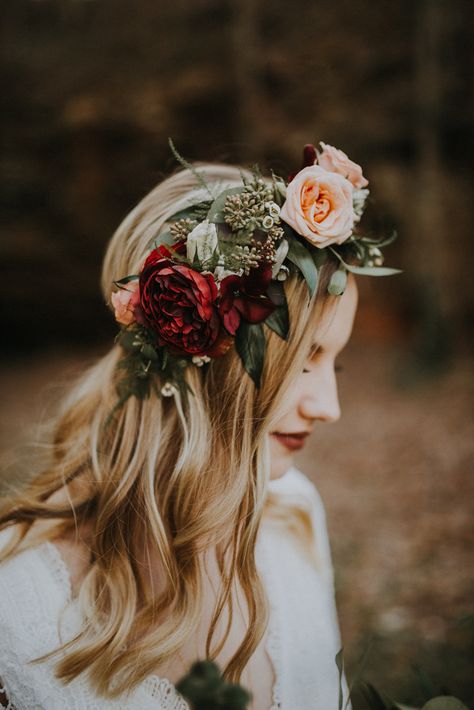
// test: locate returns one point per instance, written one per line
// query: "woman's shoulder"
(34, 587)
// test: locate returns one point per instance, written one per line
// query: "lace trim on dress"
(163, 690)
(155, 687)
(3, 690)
(273, 641)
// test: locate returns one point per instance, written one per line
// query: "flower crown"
(216, 276)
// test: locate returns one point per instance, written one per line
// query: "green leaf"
(188, 166)
(373, 698)
(127, 339)
(367, 270)
(337, 284)
(279, 321)
(340, 668)
(426, 684)
(165, 238)
(216, 211)
(301, 258)
(380, 242)
(187, 212)
(206, 689)
(444, 702)
(320, 256)
(373, 270)
(250, 344)
(126, 280)
(149, 352)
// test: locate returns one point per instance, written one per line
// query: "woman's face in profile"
(313, 395)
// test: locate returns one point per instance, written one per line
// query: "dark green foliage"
(206, 689)
(250, 344)
(301, 257)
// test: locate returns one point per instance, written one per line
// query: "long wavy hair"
(184, 476)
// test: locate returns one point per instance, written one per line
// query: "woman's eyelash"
(337, 368)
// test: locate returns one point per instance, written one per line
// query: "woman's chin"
(280, 466)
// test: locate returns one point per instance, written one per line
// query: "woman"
(171, 524)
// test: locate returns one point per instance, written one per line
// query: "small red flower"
(246, 297)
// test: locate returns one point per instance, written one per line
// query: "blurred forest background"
(92, 89)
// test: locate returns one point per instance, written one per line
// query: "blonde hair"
(181, 475)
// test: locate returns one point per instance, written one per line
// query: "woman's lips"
(293, 442)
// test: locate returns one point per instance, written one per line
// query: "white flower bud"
(377, 256)
(220, 273)
(273, 209)
(168, 390)
(359, 198)
(267, 222)
(283, 273)
(200, 360)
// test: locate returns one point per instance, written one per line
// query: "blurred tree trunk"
(430, 247)
(247, 51)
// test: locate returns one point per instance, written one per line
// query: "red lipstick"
(291, 440)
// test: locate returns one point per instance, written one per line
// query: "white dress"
(36, 614)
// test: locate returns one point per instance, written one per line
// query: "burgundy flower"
(246, 297)
(309, 158)
(179, 305)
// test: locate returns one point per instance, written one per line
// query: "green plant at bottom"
(205, 688)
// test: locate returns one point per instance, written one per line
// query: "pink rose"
(319, 206)
(124, 301)
(336, 161)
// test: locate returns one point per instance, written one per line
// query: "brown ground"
(396, 477)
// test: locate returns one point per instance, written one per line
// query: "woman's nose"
(320, 400)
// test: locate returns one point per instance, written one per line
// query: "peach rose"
(124, 301)
(336, 161)
(319, 206)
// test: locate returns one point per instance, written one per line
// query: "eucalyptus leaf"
(191, 212)
(302, 259)
(372, 270)
(279, 321)
(216, 211)
(444, 702)
(381, 242)
(367, 270)
(338, 282)
(250, 344)
(164, 238)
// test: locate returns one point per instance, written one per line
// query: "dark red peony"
(179, 305)
(246, 297)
